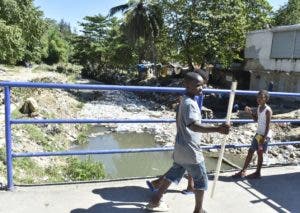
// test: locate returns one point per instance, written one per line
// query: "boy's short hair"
(265, 93)
(193, 76)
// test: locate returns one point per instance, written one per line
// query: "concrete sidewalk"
(277, 191)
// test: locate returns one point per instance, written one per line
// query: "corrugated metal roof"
(278, 29)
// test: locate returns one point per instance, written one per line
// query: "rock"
(247, 133)
(274, 153)
(243, 115)
(29, 107)
(290, 115)
(281, 158)
(155, 114)
(290, 148)
(293, 134)
(53, 129)
(207, 113)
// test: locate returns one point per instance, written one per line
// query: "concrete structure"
(273, 56)
(277, 191)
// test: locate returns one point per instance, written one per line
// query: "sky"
(73, 11)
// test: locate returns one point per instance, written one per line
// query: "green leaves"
(56, 47)
(11, 43)
(78, 170)
(213, 31)
(22, 27)
(142, 21)
(288, 14)
(102, 46)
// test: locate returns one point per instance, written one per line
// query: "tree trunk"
(154, 57)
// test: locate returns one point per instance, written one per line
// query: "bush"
(68, 68)
(2, 155)
(78, 170)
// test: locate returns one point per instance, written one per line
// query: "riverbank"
(126, 105)
(50, 103)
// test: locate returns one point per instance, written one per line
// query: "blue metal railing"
(95, 121)
(118, 151)
(8, 121)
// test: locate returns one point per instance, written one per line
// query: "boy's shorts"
(197, 171)
(254, 144)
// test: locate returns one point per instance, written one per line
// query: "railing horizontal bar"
(132, 88)
(120, 151)
(249, 121)
(36, 121)
(91, 152)
(93, 87)
(251, 92)
(40, 121)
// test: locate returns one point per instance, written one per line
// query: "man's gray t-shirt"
(187, 146)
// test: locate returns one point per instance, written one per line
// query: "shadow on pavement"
(112, 207)
(280, 192)
(124, 194)
(120, 200)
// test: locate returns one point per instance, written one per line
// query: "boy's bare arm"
(268, 121)
(250, 112)
(197, 127)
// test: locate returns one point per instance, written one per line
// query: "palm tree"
(143, 20)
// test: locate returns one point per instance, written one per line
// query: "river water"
(132, 164)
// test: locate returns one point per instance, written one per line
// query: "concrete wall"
(285, 73)
(258, 50)
(282, 81)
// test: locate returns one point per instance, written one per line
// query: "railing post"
(200, 101)
(9, 164)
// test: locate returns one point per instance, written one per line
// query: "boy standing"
(262, 137)
(187, 151)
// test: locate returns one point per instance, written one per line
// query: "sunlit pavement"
(277, 191)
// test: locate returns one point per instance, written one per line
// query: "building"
(273, 58)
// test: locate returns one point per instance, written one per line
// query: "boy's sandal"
(162, 207)
(187, 192)
(239, 174)
(150, 186)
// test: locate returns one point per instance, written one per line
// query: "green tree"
(65, 29)
(28, 19)
(288, 14)
(102, 46)
(57, 50)
(119, 53)
(11, 44)
(212, 31)
(90, 47)
(56, 44)
(142, 24)
(258, 14)
(205, 31)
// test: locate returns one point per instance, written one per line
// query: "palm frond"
(118, 8)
